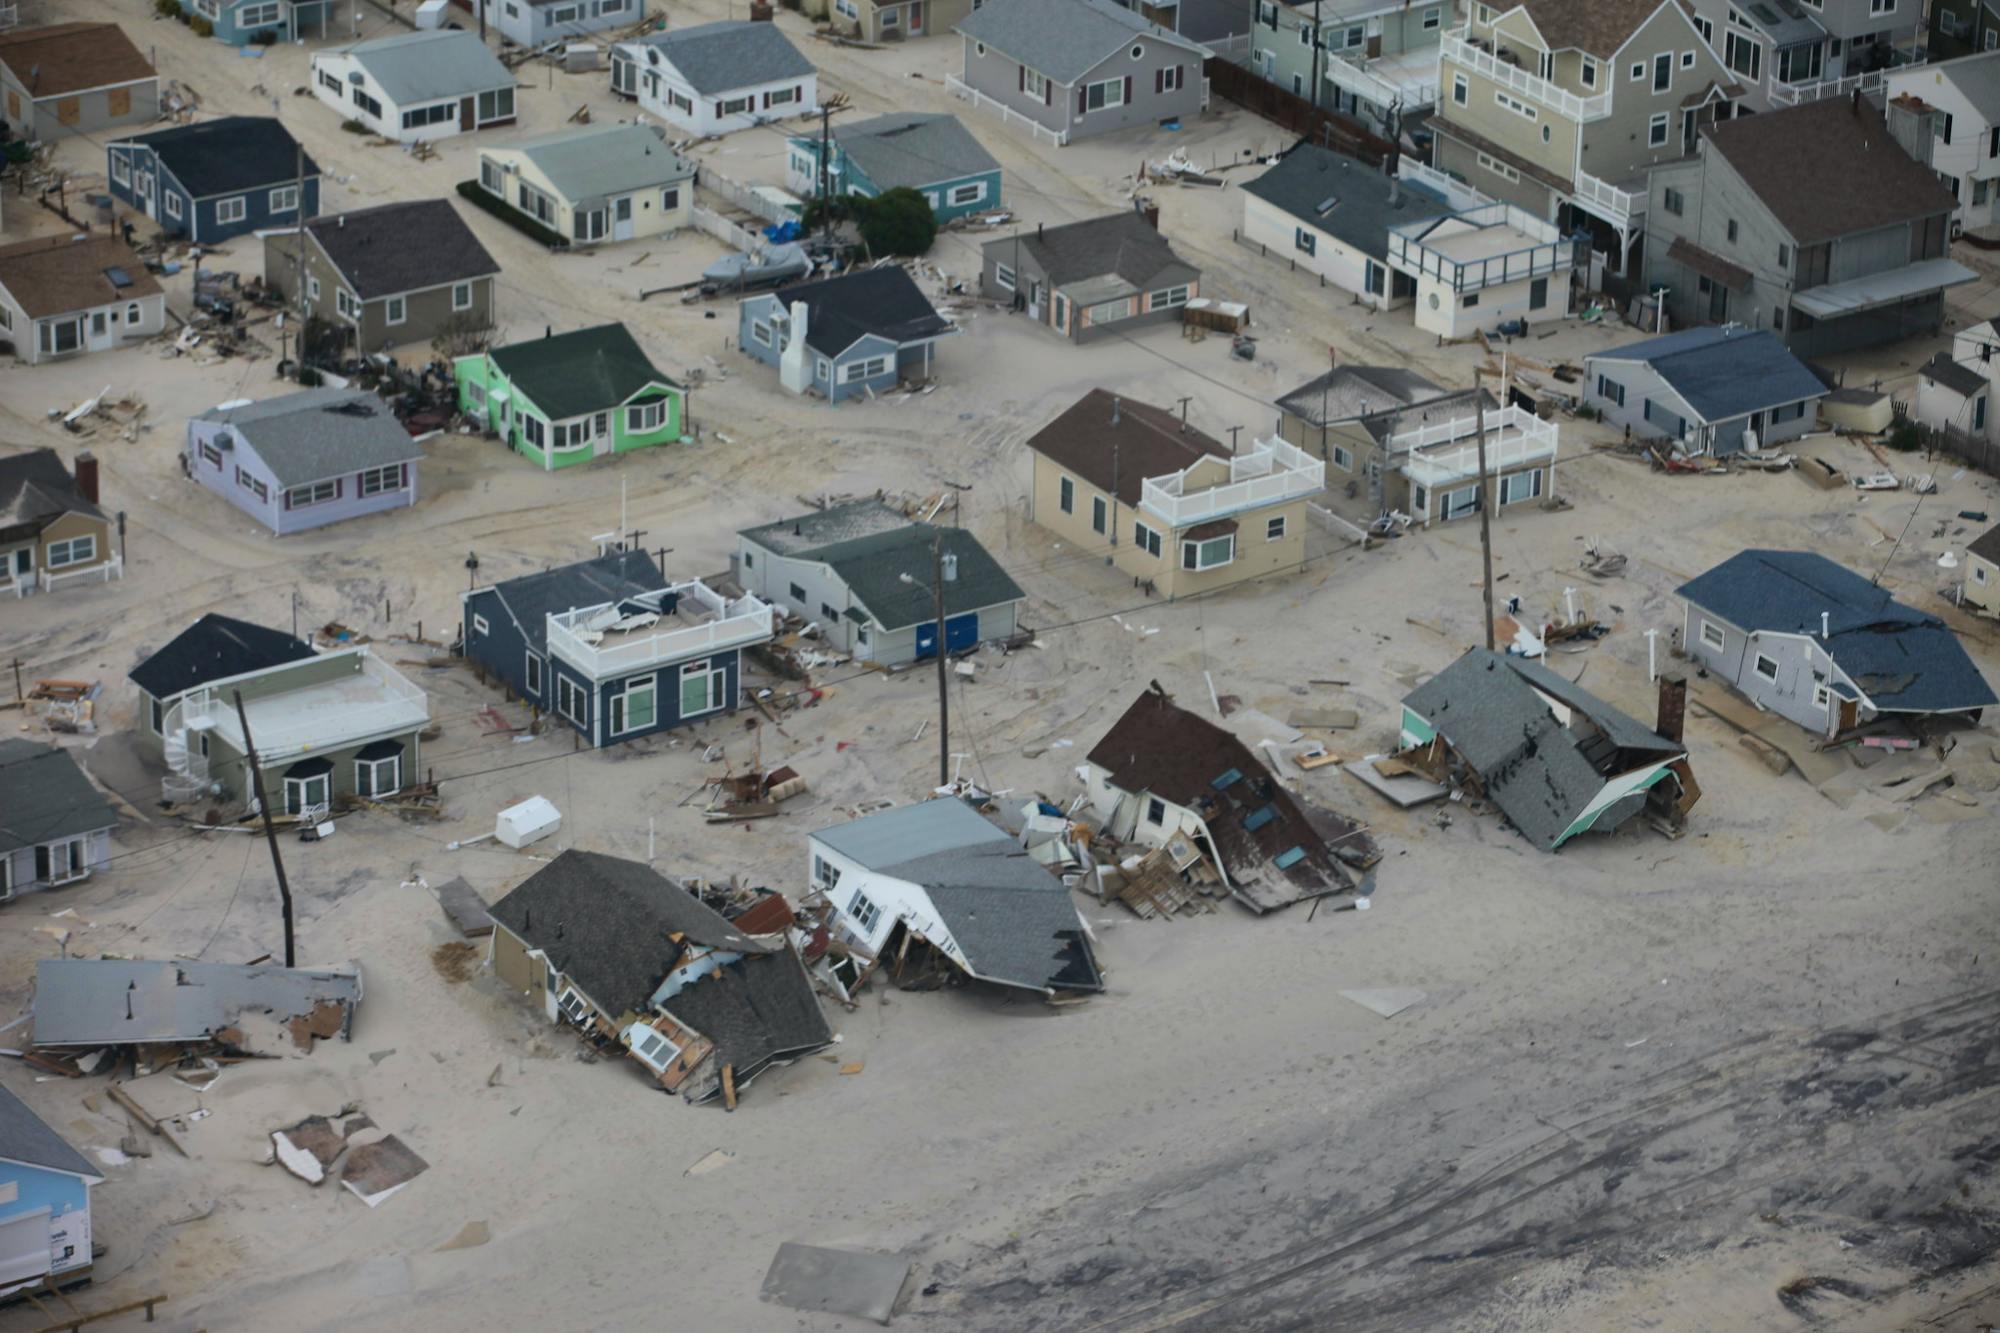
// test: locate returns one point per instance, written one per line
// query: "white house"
(1962, 98)
(1330, 215)
(598, 183)
(63, 296)
(716, 77)
(417, 85)
(1483, 267)
(1955, 389)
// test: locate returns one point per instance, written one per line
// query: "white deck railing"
(1796, 94)
(1455, 48)
(1455, 192)
(1544, 250)
(1365, 83)
(737, 623)
(1615, 205)
(1513, 437)
(1272, 472)
(964, 92)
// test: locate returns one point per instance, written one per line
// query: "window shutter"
(1082, 99)
(1159, 81)
(1128, 90)
(1048, 93)
(767, 101)
(1021, 78)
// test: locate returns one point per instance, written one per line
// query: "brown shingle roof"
(1597, 27)
(1146, 441)
(71, 57)
(54, 275)
(1709, 264)
(1828, 169)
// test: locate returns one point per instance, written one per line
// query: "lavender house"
(305, 459)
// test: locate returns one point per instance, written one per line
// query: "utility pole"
(835, 102)
(944, 701)
(1485, 509)
(270, 832)
(1319, 37)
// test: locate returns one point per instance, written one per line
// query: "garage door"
(24, 1249)
(960, 633)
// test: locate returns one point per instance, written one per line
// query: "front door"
(600, 431)
(100, 331)
(917, 19)
(142, 184)
(961, 632)
(927, 644)
(1718, 303)
(465, 113)
(621, 219)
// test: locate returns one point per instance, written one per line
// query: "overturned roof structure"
(122, 1002)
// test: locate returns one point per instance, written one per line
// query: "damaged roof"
(532, 598)
(1348, 393)
(26, 1138)
(215, 647)
(614, 927)
(1905, 660)
(115, 1001)
(45, 796)
(1490, 709)
(1013, 921)
(756, 1010)
(1159, 748)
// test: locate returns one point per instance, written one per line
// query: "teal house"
(241, 22)
(932, 154)
(565, 399)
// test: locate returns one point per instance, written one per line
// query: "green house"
(566, 399)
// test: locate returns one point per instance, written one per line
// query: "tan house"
(1982, 572)
(895, 20)
(51, 530)
(1166, 503)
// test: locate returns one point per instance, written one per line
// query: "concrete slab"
(849, 1282)
(465, 908)
(1404, 789)
(1387, 1001)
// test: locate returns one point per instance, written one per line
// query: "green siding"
(480, 371)
(1585, 822)
(1416, 731)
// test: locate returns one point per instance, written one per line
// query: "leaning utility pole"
(944, 700)
(270, 832)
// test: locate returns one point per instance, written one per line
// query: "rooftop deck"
(1448, 451)
(1270, 473)
(371, 700)
(679, 622)
(1480, 247)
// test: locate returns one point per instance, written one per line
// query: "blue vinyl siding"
(62, 1194)
(199, 219)
(502, 650)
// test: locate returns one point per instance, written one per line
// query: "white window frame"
(1147, 539)
(1156, 811)
(1822, 696)
(1757, 668)
(865, 912)
(75, 858)
(461, 302)
(379, 480)
(1003, 277)
(969, 193)
(1103, 90)
(79, 550)
(1343, 458)
(531, 672)
(1656, 130)
(317, 493)
(1196, 557)
(760, 333)
(395, 309)
(345, 305)
(479, 625)
(173, 205)
(1169, 297)
(1713, 636)
(572, 700)
(1035, 86)
(718, 687)
(1513, 482)
(647, 417)
(284, 199)
(373, 787)
(1274, 528)
(866, 369)
(121, 170)
(618, 704)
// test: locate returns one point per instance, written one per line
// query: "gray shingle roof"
(1064, 39)
(1906, 660)
(883, 301)
(35, 489)
(1121, 245)
(45, 796)
(1978, 77)
(215, 647)
(718, 58)
(116, 1001)
(26, 1137)
(317, 434)
(871, 565)
(417, 67)
(1724, 372)
(1961, 379)
(409, 246)
(531, 598)
(756, 1010)
(601, 160)
(913, 149)
(1348, 393)
(826, 527)
(1342, 196)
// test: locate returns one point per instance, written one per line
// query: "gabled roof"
(1256, 823)
(757, 1009)
(1905, 660)
(870, 546)
(1106, 439)
(1014, 922)
(1122, 246)
(318, 434)
(826, 527)
(215, 647)
(35, 490)
(1343, 197)
(1348, 393)
(65, 58)
(401, 247)
(532, 598)
(717, 58)
(45, 796)
(416, 67)
(1451, 405)
(614, 927)
(1064, 39)
(915, 149)
(883, 301)
(1724, 371)
(599, 160)
(59, 275)
(585, 370)
(224, 156)
(25, 1137)
(1828, 168)
(1977, 78)
(1961, 379)
(1595, 27)
(1491, 710)
(1987, 545)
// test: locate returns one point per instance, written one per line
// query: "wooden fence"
(1969, 449)
(1291, 112)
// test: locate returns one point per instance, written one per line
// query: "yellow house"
(51, 529)
(1171, 506)
(1982, 572)
(600, 184)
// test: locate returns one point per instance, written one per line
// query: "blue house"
(612, 648)
(239, 22)
(932, 154)
(215, 179)
(45, 1219)
(1711, 389)
(858, 334)
(306, 459)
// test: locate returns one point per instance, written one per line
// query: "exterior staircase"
(181, 731)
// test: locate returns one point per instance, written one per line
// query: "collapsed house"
(635, 962)
(1166, 778)
(940, 896)
(1554, 758)
(84, 1003)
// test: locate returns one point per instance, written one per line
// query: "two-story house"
(1363, 58)
(1962, 28)
(1947, 116)
(1809, 221)
(1562, 108)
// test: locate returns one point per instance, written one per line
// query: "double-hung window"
(76, 551)
(1146, 539)
(1003, 277)
(531, 675)
(319, 492)
(1168, 297)
(232, 209)
(867, 369)
(345, 304)
(635, 707)
(396, 309)
(377, 480)
(1656, 130)
(704, 687)
(1274, 528)
(572, 700)
(461, 296)
(284, 199)
(864, 912)
(1066, 495)
(1104, 94)
(962, 195)
(1036, 86)
(1100, 521)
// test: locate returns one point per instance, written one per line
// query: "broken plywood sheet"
(464, 908)
(1405, 789)
(309, 1149)
(1388, 1001)
(374, 1171)
(846, 1282)
(117, 1001)
(1774, 732)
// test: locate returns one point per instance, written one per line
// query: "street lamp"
(944, 570)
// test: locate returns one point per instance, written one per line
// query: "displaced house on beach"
(1165, 777)
(1557, 760)
(304, 460)
(86, 1003)
(940, 896)
(633, 960)
(1818, 644)
(51, 529)
(45, 1235)
(55, 827)
(1981, 586)
(853, 336)
(1708, 390)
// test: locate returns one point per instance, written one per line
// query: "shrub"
(168, 9)
(898, 222)
(309, 378)
(475, 193)
(265, 37)
(201, 27)
(1905, 436)
(353, 126)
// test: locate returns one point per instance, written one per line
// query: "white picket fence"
(964, 92)
(723, 229)
(742, 196)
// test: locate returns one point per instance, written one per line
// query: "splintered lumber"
(729, 1087)
(144, 1117)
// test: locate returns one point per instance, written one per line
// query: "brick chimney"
(86, 475)
(1672, 721)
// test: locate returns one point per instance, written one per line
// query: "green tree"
(898, 222)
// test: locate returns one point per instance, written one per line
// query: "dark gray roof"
(318, 434)
(1451, 405)
(871, 565)
(1724, 371)
(26, 1138)
(213, 157)
(1987, 545)
(403, 247)
(1906, 660)
(215, 647)
(607, 924)
(585, 370)
(882, 301)
(758, 1009)
(531, 598)
(1348, 393)
(1064, 39)
(45, 796)
(418, 67)
(1014, 921)
(722, 57)
(914, 149)
(1343, 197)
(1540, 773)
(35, 489)
(826, 527)
(1961, 379)
(1122, 245)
